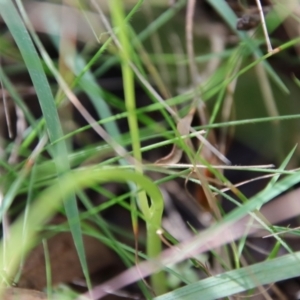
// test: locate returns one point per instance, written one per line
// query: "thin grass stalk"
(153, 220)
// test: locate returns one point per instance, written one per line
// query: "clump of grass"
(54, 175)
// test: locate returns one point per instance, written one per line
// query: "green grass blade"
(153, 220)
(240, 280)
(14, 94)
(42, 88)
(283, 166)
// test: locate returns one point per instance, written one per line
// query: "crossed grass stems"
(151, 213)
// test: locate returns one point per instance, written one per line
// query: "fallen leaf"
(22, 294)
(183, 127)
(65, 265)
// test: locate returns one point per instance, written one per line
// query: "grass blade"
(47, 103)
(240, 280)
